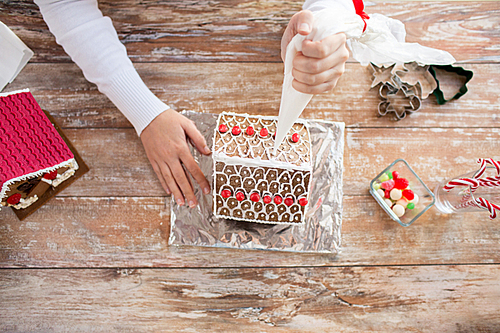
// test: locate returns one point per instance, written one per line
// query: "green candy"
(389, 174)
(376, 186)
(410, 205)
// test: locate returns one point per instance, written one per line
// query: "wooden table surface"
(96, 257)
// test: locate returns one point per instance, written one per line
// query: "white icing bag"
(382, 43)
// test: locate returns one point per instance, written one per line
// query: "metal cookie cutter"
(400, 101)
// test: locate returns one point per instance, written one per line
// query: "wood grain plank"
(119, 166)
(254, 89)
(435, 154)
(98, 240)
(354, 299)
(133, 232)
(242, 30)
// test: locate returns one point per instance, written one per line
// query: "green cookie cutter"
(449, 68)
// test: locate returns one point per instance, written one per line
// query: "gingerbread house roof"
(257, 145)
(29, 144)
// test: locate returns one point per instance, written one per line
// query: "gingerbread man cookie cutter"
(400, 101)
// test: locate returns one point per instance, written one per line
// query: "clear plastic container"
(411, 209)
(461, 199)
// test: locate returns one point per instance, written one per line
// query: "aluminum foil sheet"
(319, 233)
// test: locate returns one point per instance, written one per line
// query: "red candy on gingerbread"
(51, 175)
(236, 130)
(267, 199)
(14, 199)
(240, 196)
(255, 197)
(289, 201)
(303, 201)
(223, 128)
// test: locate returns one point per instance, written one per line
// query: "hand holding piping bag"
(314, 60)
(317, 67)
(375, 38)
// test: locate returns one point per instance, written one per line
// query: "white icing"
(14, 92)
(257, 162)
(65, 175)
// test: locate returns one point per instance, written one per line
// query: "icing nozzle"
(292, 105)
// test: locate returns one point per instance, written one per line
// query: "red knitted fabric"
(28, 140)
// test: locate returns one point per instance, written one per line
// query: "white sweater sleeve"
(92, 42)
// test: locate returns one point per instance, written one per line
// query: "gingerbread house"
(33, 156)
(254, 183)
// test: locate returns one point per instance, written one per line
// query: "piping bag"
(379, 39)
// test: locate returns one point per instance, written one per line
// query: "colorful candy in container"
(401, 193)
